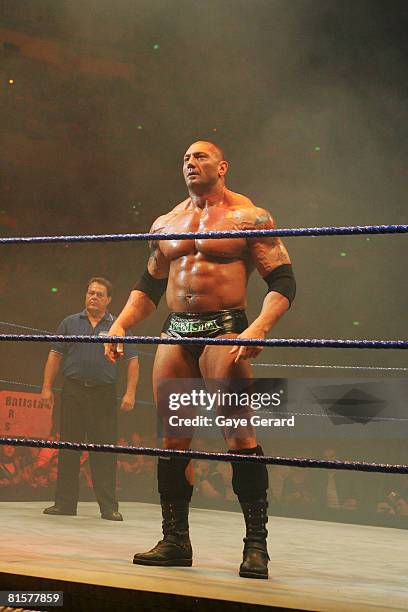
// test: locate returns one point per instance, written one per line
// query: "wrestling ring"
(314, 565)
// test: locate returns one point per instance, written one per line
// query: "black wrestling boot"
(175, 547)
(255, 556)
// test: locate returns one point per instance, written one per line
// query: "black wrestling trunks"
(204, 325)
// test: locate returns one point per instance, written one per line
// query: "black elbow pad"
(282, 280)
(152, 287)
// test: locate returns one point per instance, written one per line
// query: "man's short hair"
(218, 149)
(101, 281)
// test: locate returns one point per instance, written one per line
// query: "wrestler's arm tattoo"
(269, 252)
(265, 222)
(261, 222)
(281, 257)
(153, 262)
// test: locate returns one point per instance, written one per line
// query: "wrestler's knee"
(177, 443)
(237, 443)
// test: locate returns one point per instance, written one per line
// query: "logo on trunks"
(190, 327)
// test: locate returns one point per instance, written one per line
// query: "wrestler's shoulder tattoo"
(259, 219)
(263, 221)
(244, 225)
(263, 217)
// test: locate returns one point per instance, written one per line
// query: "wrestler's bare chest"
(212, 219)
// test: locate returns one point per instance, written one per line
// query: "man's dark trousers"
(88, 413)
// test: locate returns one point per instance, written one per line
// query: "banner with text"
(23, 415)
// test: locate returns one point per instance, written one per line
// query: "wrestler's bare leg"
(172, 362)
(217, 362)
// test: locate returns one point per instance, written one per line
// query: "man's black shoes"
(57, 510)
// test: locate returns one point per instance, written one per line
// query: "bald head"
(216, 150)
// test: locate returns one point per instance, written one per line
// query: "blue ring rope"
(302, 231)
(254, 364)
(16, 383)
(361, 466)
(298, 342)
(42, 331)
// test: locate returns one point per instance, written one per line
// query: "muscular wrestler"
(206, 282)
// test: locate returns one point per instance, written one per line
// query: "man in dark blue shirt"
(88, 403)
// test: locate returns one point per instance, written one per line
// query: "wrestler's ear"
(222, 168)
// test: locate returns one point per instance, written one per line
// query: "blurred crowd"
(30, 473)
(27, 473)
(314, 493)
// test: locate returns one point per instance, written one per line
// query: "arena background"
(99, 101)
